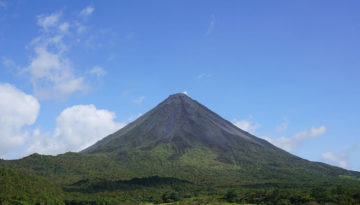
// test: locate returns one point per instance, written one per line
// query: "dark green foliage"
(230, 196)
(170, 197)
(101, 185)
(18, 188)
(301, 195)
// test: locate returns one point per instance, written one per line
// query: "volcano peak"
(178, 95)
(179, 122)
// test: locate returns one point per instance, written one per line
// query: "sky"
(72, 72)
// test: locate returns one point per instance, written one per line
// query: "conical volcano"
(181, 145)
(182, 122)
(180, 135)
(183, 139)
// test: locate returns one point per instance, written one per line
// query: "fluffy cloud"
(77, 127)
(290, 143)
(64, 27)
(246, 125)
(17, 110)
(87, 11)
(52, 75)
(82, 125)
(48, 21)
(342, 158)
(339, 159)
(51, 72)
(98, 71)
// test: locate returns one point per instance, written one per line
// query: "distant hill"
(180, 141)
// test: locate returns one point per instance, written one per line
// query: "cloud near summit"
(291, 143)
(77, 127)
(246, 125)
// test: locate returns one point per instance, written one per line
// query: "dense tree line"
(20, 188)
(316, 195)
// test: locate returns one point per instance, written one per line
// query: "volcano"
(182, 123)
(181, 137)
(181, 145)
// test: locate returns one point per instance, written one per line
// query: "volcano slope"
(183, 140)
(182, 137)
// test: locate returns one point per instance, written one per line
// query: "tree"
(230, 196)
(170, 197)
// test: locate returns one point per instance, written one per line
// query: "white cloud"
(48, 21)
(80, 28)
(52, 75)
(139, 100)
(185, 92)
(98, 71)
(77, 127)
(82, 125)
(50, 66)
(17, 110)
(51, 72)
(211, 25)
(291, 143)
(64, 27)
(314, 132)
(87, 11)
(246, 125)
(340, 159)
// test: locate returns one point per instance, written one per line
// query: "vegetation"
(17, 188)
(92, 179)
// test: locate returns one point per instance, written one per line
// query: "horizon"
(72, 73)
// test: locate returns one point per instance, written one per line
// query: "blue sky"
(72, 72)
